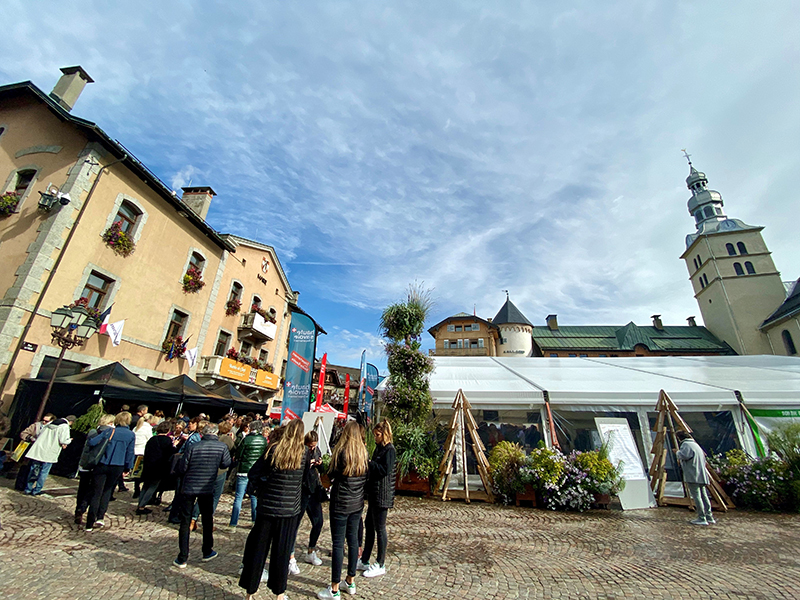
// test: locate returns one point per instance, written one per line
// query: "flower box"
(119, 241)
(193, 281)
(233, 307)
(413, 483)
(601, 501)
(528, 495)
(8, 203)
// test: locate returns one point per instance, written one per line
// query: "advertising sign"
(267, 379)
(346, 395)
(300, 367)
(362, 381)
(371, 384)
(234, 370)
(321, 382)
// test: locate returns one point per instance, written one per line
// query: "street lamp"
(72, 326)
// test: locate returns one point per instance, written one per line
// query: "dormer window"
(708, 211)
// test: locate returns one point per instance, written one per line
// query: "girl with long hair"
(348, 473)
(277, 478)
(380, 492)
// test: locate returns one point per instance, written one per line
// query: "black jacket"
(158, 458)
(200, 464)
(347, 492)
(278, 492)
(380, 487)
(311, 481)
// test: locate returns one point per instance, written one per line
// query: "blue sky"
(473, 146)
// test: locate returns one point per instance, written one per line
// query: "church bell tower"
(734, 278)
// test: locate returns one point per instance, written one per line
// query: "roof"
(789, 308)
(695, 339)
(510, 314)
(462, 316)
(240, 241)
(119, 151)
(705, 382)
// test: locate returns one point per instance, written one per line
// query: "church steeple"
(705, 205)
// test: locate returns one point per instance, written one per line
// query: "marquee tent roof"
(707, 381)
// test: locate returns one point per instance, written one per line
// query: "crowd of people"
(276, 466)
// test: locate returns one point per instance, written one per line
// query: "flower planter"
(528, 495)
(601, 501)
(413, 483)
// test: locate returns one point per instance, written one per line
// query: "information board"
(622, 451)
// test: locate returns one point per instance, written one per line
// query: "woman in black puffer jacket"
(348, 473)
(277, 478)
(380, 492)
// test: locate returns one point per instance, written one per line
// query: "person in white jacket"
(53, 438)
(143, 432)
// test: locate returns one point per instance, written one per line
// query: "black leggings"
(344, 526)
(375, 523)
(277, 533)
(314, 511)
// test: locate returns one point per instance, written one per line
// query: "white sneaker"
(312, 559)
(351, 587)
(293, 568)
(265, 576)
(711, 520)
(698, 522)
(328, 594)
(99, 523)
(360, 566)
(375, 570)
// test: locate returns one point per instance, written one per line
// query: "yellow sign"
(267, 379)
(234, 370)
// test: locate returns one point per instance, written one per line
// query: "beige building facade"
(464, 335)
(68, 193)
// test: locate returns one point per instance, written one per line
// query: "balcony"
(220, 367)
(256, 329)
(459, 352)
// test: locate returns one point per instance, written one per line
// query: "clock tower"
(735, 281)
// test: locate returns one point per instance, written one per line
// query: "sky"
(471, 147)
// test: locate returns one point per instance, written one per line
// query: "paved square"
(436, 550)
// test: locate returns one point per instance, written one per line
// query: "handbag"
(19, 451)
(92, 458)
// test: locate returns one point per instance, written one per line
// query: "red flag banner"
(346, 394)
(321, 382)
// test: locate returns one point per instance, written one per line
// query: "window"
(788, 343)
(257, 301)
(451, 328)
(731, 250)
(749, 268)
(491, 415)
(460, 343)
(470, 343)
(738, 268)
(176, 324)
(706, 278)
(573, 356)
(480, 343)
(699, 262)
(553, 355)
(127, 215)
(222, 344)
(246, 348)
(263, 355)
(742, 248)
(698, 216)
(446, 344)
(67, 367)
(458, 327)
(503, 340)
(708, 211)
(24, 179)
(236, 291)
(696, 266)
(601, 355)
(197, 261)
(702, 283)
(584, 356)
(96, 289)
(718, 210)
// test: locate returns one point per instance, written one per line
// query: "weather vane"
(687, 155)
(506, 291)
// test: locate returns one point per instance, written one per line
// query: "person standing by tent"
(141, 411)
(380, 491)
(695, 476)
(158, 453)
(29, 435)
(348, 473)
(85, 469)
(44, 453)
(251, 448)
(116, 460)
(277, 478)
(143, 431)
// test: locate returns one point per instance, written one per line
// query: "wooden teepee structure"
(462, 422)
(668, 423)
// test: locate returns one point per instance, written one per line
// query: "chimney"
(692, 322)
(198, 199)
(552, 322)
(657, 322)
(70, 86)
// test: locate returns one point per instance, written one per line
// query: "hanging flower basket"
(119, 241)
(8, 203)
(233, 307)
(193, 281)
(233, 354)
(173, 347)
(84, 302)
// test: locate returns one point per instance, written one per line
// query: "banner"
(346, 395)
(321, 382)
(369, 389)
(299, 367)
(362, 381)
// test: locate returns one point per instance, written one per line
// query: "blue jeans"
(241, 488)
(39, 472)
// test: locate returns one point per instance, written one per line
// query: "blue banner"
(362, 381)
(299, 367)
(369, 389)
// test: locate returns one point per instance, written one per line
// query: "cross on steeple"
(687, 155)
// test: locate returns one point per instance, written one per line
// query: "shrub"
(505, 461)
(417, 450)
(760, 484)
(232, 307)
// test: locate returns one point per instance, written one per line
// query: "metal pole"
(46, 396)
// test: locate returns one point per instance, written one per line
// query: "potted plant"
(232, 307)
(603, 479)
(418, 457)
(541, 471)
(119, 241)
(505, 461)
(193, 281)
(8, 203)
(94, 313)
(174, 347)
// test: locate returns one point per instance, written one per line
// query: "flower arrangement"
(233, 306)
(8, 203)
(505, 461)
(174, 347)
(233, 354)
(761, 484)
(193, 281)
(119, 241)
(84, 302)
(543, 468)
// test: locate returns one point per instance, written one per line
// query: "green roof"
(611, 338)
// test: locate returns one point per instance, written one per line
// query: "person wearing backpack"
(88, 461)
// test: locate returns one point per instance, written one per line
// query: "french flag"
(104, 317)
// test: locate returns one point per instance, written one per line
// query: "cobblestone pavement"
(436, 550)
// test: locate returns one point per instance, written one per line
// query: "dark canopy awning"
(193, 393)
(240, 401)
